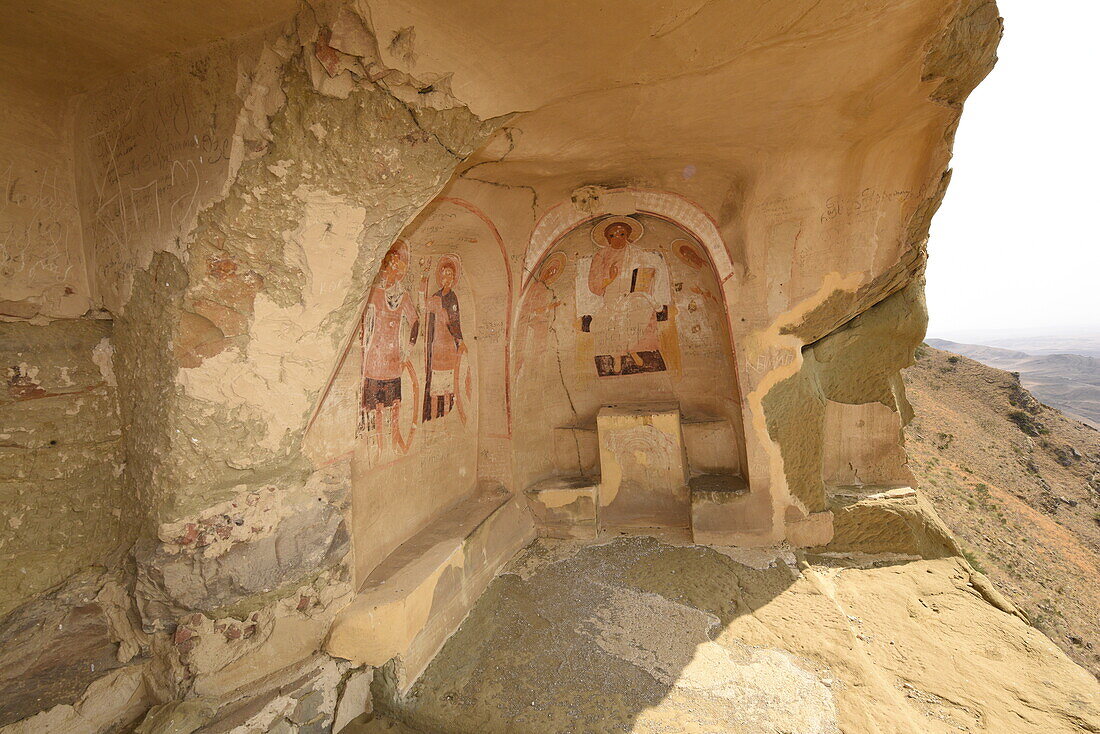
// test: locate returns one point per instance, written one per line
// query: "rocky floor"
(635, 634)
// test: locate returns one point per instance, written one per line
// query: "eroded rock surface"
(637, 635)
(279, 309)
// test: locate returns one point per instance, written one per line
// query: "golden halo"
(553, 260)
(601, 226)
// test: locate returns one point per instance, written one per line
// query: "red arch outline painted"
(664, 205)
(563, 218)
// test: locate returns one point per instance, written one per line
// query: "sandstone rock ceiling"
(532, 54)
(605, 90)
(664, 79)
(71, 45)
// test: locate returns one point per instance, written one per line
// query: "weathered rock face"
(859, 364)
(60, 643)
(43, 271)
(63, 503)
(77, 647)
(373, 271)
(643, 636)
(205, 568)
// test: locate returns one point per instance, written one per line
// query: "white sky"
(1014, 248)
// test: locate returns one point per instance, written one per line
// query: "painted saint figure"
(445, 346)
(623, 293)
(384, 351)
(540, 302)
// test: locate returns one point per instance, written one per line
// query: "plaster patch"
(290, 352)
(103, 356)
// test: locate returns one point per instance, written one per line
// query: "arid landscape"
(1018, 483)
(1062, 372)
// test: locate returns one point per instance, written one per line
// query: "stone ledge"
(887, 519)
(419, 595)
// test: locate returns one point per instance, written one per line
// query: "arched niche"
(420, 399)
(556, 222)
(640, 321)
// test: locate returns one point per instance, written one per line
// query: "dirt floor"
(639, 635)
(1018, 483)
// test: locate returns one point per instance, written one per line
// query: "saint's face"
(617, 235)
(446, 278)
(393, 270)
(549, 274)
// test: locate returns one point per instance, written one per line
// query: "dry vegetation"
(1019, 485)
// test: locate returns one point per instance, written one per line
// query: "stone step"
(724, 484)
(564, 507)
(718, 508)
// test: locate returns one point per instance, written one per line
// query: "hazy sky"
(1014, 248)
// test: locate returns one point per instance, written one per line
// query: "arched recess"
(556, 222)
(422, 438)
(560, 379)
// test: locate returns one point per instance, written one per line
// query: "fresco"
(623, 297)
(419, 403)
(416, 366)
(386, 352)
(619, 310)
(539, 310)
(446, 348)
(637, 300)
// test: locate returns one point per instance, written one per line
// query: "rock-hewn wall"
(63, 504)
(42, 264)
(232, 235)
(858, 364)
(234, 204)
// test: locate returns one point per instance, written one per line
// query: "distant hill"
(1018, 483)
(1087, 346)
(1067, 381)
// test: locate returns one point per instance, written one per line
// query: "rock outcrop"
(316, 317)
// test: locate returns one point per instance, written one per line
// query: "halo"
(601, 226)
(556, 258)
(688, 254)
(450, 260)
(401, 248)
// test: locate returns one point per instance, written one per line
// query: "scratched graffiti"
(867, 202)
(772, 358)
(38, 224)
(154, 152)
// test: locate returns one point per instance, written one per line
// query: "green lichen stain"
(860, 362)
(368, 150)
(62, 503)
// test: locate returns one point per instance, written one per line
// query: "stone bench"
(418, 596)
(710, 443)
